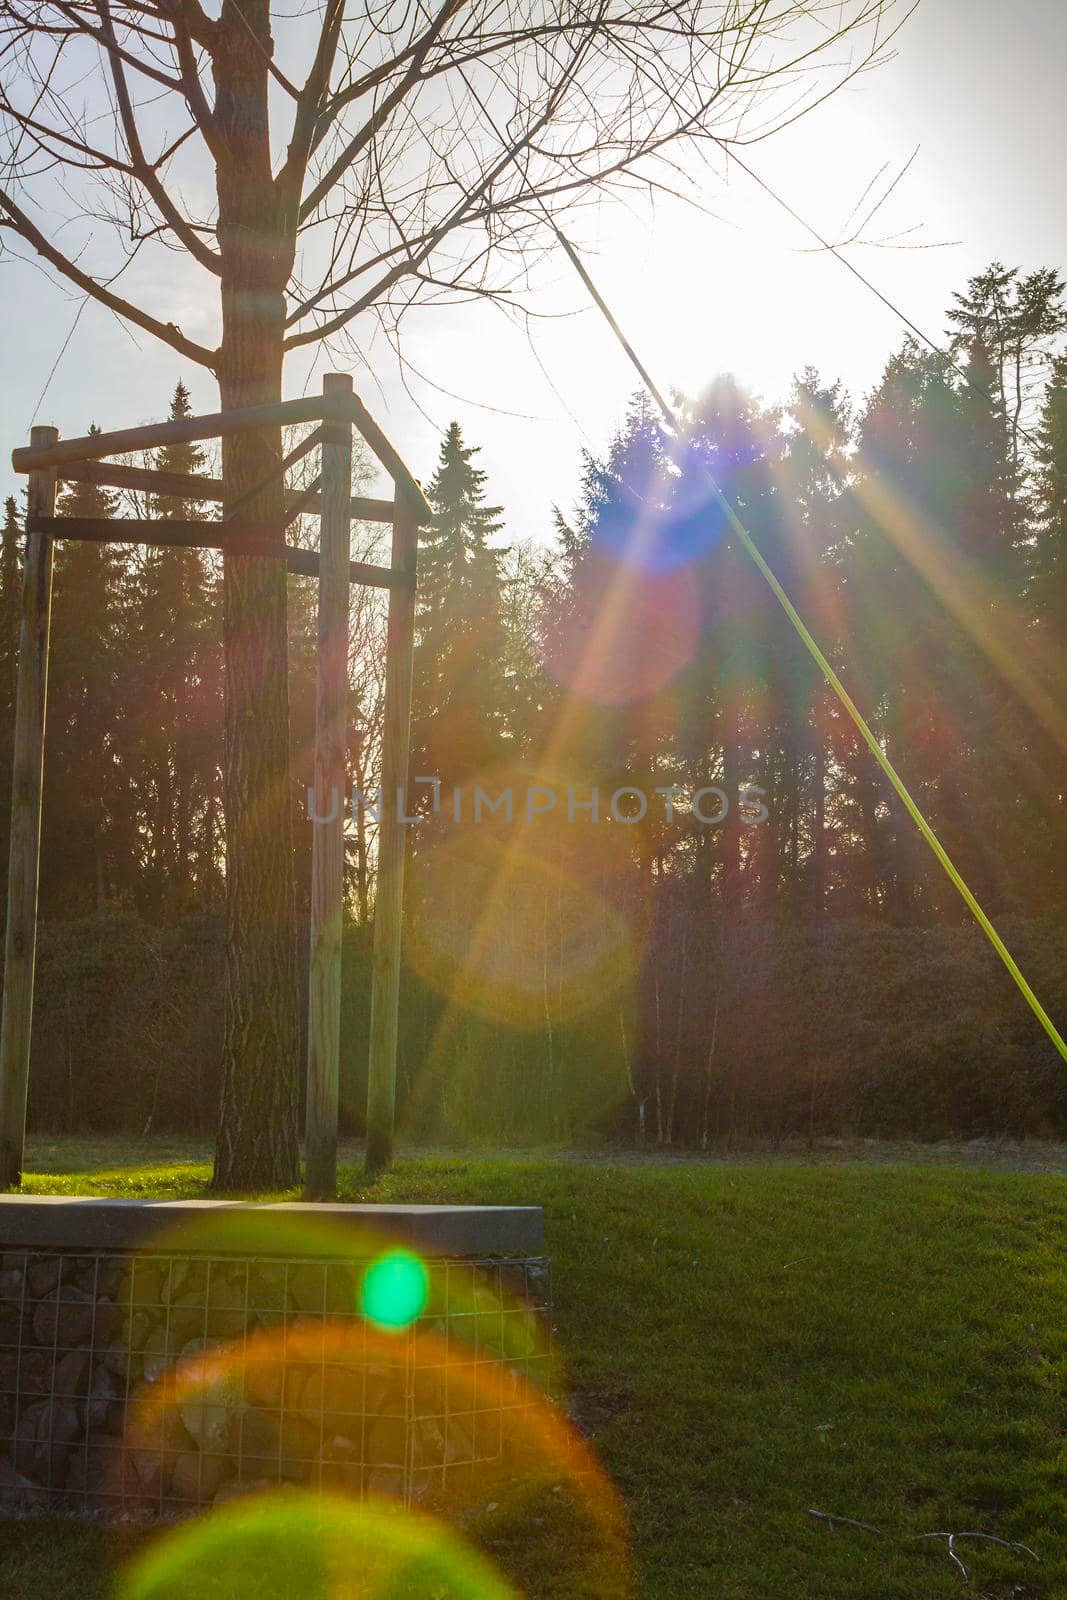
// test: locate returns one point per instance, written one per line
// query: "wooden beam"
(144, 480)
(363, 508)
(299, 506)
(306, 563)
(143, 530)
(20, 947)
(418, 506)
(278, 470)
(186, 430)
(207, 536)
(110, 475)
(326, 804)
(392, 840)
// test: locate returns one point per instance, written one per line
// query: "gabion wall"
(154, 1384)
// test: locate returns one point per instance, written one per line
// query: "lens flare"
(395, 1289)
(661, 538)
(295, 1546)
(514, 915)
(343, 1409)
(635, 631)
(254, 1376)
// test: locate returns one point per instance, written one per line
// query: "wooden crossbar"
(278, 470)
(418, 506)
(188, 430)
(144, 480)
(304, 499)
(185, 430)
(249, 540)
(306, 563)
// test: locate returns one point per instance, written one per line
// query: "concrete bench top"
(69, 1222)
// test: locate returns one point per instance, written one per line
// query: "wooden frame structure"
(49, 459)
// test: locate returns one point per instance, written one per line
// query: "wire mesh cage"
(154, 1384)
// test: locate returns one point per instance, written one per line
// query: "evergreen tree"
(985, 533)
(932, 559)
(177, 700)
(10, 611)
(1047, 610)
(1016, 321)
(1048, 559)
(89, 836)
(460, 697)
(816, 469)
(460, 728)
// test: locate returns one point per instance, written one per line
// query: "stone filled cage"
(157, 1381)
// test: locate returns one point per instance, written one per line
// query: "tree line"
(595, 962)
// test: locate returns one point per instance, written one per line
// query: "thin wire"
(783, 599)
(55, 363)
(820, 660)
(833, 250)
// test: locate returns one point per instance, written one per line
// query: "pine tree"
(460, 699)
(1048, 560)
(177, 699)
(182, 460)
(89, 845)
(816, 471)
(1015, 321)
(10, 611)
(933, 558)
(1047, 607)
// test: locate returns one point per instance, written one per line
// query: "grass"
(743, 1344)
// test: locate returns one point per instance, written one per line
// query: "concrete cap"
(284, 1228)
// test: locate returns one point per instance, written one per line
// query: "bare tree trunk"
(257, 1144)
(708, 1065)
(820, 841)
(101, 871)
(627, 1063)
(870, 832)
(183, 785)
(362, 880)
(677, 1062)
(731, 782)
(659, 1062)
(550, 1071)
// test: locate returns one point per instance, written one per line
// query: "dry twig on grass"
(950, 1538)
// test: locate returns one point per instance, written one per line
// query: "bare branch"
(167, 331)
(290, 180)
(366, 134)
(430, 146)
(142, 171)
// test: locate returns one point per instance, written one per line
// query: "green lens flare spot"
(395, 1289)
(291, 1543)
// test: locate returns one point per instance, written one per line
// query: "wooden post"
(23, 863)
(392, 840)
(327, 807)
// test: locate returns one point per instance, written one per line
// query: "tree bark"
(257, 1144)
(820, 840)
(731, 782)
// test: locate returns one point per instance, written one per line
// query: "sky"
(731, 284)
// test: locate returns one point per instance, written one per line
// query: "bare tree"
(317, 165)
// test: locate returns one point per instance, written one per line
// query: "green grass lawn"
(743, 1344)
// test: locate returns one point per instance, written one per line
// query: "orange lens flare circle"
(511, 915)
(266, 1384)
